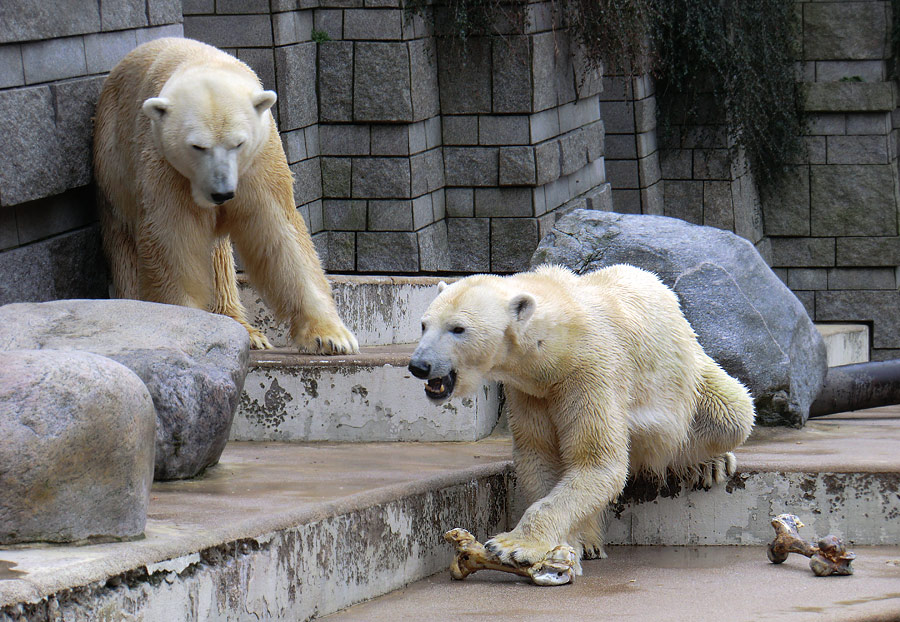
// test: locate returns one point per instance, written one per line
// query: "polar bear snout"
(438, 387)
(419, 368)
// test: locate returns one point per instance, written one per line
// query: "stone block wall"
(53, 58)
(833, 223)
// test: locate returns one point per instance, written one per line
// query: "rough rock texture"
(744, 316)
(76, 460)
(193, 362)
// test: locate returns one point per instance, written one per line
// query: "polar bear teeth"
(439, 388)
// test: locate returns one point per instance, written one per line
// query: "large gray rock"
(76, 459)
(193, 362)
(744, 316)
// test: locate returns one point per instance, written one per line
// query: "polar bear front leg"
(228, 301)
(593, 441)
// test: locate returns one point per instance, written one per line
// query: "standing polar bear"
(188, 159)
(603, 377)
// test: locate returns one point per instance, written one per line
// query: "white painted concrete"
(845, 344)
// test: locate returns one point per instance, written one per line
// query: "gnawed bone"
(828, 558)
(557, 567)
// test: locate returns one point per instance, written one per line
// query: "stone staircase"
(300, 530)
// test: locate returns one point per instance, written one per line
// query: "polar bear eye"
(423, 327)
(239, 145)
(458, 330)
(198, 147)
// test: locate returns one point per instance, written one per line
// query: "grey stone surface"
(513, 240)
(547, 162)
(339, 250)
(104, 50)
(624, 147)
(712, 164)
(848, 96)
(618, 116)
(509, 202)
(464, 73)
(786, 206)
(45, 218)
(803, 252)
(851, 200)
(198, 7)
(344, 139)
(675, 163)
(649, 172)
(66, 266)
(503, 130)
(471, 166)
(11, 71)
(381, 178)
(807, 278)
(390, 216)
(857, 149)
(876, 123)
(76, 460)
(844, 30)
(162, 12)
(242, 6)
(230, 31)
(344, 215)
(744, 316)
(572, 152)
(192, 362)
(511, 74)
(292, 27)
(390, 139)
(121, 14)
(718, 210)
(544, 125)
(434, 253)
(307, 180)
(26, 20)
(335, 80)
(331, 22)
(861, 278)
(387, 252)
(543, 71)
(373, 23)
(469, 244)
(54, 59)
(262, 61)
(424, 79)
(460, 202)
(295, 67)
(336, 177)
(865, 70)
(624, 174)
(381, 82)
(423, 211)
(866, 251)
(517, 166)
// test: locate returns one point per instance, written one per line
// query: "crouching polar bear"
(603, 377)
(187, 160)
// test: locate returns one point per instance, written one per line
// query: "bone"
(828, 558)
(556, 568)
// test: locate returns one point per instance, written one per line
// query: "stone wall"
(53, 58)
(421, 154)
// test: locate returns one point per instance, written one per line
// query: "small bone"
(557, 567)
(828, 558)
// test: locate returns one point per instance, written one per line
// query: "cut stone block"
(381, 83)
(335, 80)
(192, 362)
(852, 200)
(76, 460)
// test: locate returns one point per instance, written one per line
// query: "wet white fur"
(603, 377)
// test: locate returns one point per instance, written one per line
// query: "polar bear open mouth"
(439, 388)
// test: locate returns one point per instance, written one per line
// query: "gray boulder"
(193, 362)
(76, 459)
(744, 316)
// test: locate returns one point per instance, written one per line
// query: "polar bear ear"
(264, 100)
(156, 107)
(442, 285)
(522, 306)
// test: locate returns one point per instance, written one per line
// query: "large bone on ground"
(557, 567)
(828, 558)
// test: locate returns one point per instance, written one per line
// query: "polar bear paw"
(326, 337)
(258, 341)
(516, 550)
(717, 470)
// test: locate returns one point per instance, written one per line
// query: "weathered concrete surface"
(76, 455)
(274, 531)
(366, 397)
(293, 531)
(380, 310)
(658, 583)
(845, 344)
(192, 362)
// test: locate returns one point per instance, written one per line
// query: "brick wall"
(53, 58)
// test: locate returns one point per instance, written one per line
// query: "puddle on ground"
(694, 557)
(7, 572)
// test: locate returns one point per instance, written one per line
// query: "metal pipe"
(854, 387)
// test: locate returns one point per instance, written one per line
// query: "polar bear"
(603, 377)
(187, 160)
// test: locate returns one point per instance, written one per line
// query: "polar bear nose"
(419, 369)
(220, 197)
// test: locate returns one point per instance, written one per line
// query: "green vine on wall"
(714, 61)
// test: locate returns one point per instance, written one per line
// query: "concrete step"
(658, 583)
(292, 531)
(845, 344)
(380, 310)
(366, 397)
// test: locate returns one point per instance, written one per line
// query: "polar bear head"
(209, 123)
(466, 334)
